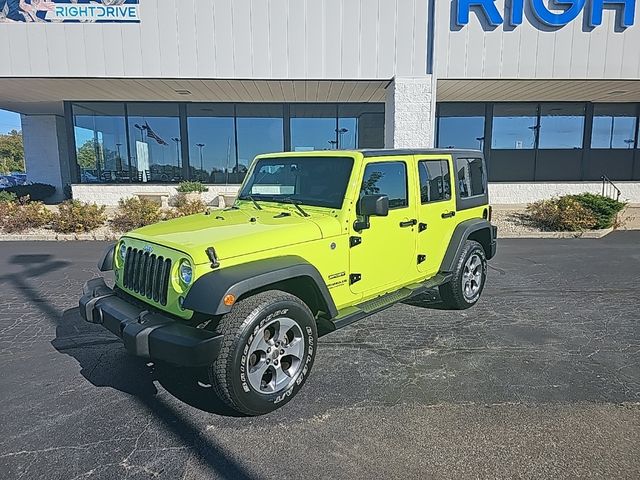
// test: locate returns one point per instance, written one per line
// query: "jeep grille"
(147, 274)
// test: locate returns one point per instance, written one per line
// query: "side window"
(435, 180)
(386, 178)
(470, 177)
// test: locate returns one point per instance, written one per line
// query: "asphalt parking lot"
(540, 380)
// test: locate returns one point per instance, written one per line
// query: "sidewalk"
(630, 218)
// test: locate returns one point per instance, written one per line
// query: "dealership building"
(194, 89)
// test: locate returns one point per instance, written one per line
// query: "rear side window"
(470, 177)
(386, 178)
(435, 180)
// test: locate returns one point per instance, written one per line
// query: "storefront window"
(314, 127)
(141, 142)
(360, 126)
(514, 126)
(259, 130)
(561, 125)
(101, 146)
(614, 126)
(461, 125)
(154, 142)
(212, 144)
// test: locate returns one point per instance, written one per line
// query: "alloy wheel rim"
(275, 356)
(472, 277)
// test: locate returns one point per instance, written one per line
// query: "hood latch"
(213, 257)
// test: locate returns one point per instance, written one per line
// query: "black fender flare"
(105, 264)
(460, 235)
(206, 295)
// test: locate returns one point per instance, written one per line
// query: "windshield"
(318, 181)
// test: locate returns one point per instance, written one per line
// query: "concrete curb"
(57, 237)
(585, 234)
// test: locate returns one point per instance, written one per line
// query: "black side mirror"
(374, 206)
(371, 206)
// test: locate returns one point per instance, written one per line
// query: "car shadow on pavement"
(105, 363)
(90, 344)
(129, 374)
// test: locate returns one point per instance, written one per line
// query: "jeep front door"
(436, 212)
(383, 255)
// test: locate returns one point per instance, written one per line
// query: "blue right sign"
(567, 11)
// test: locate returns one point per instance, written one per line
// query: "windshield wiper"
(295, 203)
(249, 197)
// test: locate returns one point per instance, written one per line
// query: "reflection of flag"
(154, 135)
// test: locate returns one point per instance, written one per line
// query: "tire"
(251, 374)
(453, 293)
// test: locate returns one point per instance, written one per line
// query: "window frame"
(633, 114)
(165, 111)
(406, 181)
(440, 160)
(290, 160)
(534, 128)
(448, 110)
(220, 111)
(464, 203)
(544, 109)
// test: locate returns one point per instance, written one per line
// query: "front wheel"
(268, 351)
(469, 276)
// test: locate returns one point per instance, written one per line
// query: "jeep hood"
(237, 232)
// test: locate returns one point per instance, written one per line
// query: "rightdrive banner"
(66, 11)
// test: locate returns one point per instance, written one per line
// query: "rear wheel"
(268, 351)
(469, 276)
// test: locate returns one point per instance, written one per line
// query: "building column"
(46, 152)
(410, 110)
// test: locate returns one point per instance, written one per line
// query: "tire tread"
(451, 292)
(232, 325)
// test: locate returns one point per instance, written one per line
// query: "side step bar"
(350, 315)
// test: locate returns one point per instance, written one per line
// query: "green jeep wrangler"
(314, 242)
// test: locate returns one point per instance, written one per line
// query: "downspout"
(431, 33)
(431, 65)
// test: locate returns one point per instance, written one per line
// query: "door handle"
(448, 214)
(409, 223)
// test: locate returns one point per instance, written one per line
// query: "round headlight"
(186, 272)
(122, 251)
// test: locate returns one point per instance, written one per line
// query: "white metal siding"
(261, 39)
(533, 51)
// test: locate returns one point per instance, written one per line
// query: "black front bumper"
(145, 333)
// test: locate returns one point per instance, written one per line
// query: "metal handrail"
(609, 189)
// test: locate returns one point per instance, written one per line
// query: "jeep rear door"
(436, 210)
(383, 255)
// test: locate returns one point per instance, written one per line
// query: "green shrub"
(604, 209)
(75, 216)
(184, 207)
(37, 192)
(7, 197)
(190, 187)
(17, 217)
(136, 212)
(561, 214)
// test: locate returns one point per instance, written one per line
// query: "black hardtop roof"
(386, 152)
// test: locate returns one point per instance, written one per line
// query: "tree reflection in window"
(370, 183)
